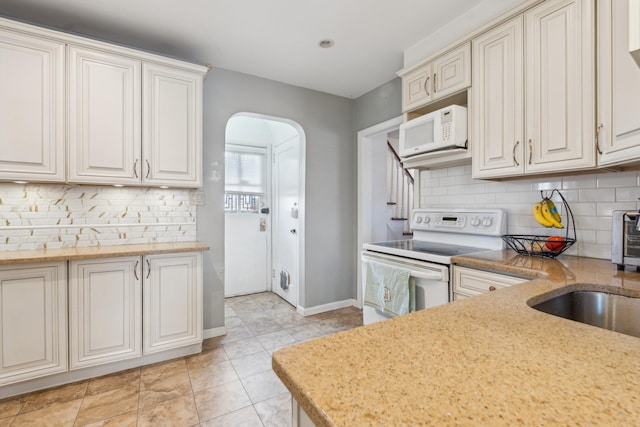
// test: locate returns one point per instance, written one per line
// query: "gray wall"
(327, 121)
(378, 105)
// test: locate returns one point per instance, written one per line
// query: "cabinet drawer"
(470, 282)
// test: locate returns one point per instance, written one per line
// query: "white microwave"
(439, 130)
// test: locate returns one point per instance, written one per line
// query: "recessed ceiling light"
(326, 43)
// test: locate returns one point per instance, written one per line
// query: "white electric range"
(438, 235)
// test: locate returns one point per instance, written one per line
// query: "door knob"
(293, 231)
(263, 224)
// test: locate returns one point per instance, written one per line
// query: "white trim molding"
(327, 307)
(214, 332)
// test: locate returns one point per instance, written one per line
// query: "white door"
(246, 227)
(286, 189)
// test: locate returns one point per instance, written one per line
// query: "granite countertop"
(49, 255)
(486, 360)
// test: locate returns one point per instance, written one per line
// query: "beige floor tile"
(264, 326)
(236, 333)
(130, 419)
(245, 417)
(305, 332)
(216, 401)
(11, 407)
(243, 347)
(162, 369)
(263, 386)
(212, 375)
(207, 358)
(130, 377)
(177, 412)
(275, 412)
(108, 404)
(45, 398)
(56, 415)
(252, 364)
(156, 390)
(276, 339)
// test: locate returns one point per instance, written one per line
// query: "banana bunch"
(546, 214)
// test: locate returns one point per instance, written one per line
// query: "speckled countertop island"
(484, 361)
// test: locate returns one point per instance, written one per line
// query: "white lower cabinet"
(105, 311)
(172, 301)
(469, 282)
(33, 321)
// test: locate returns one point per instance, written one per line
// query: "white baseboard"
(327, 307)
(214, 332)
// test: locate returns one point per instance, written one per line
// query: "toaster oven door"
(625, 242)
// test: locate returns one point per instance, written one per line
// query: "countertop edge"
(64, 254)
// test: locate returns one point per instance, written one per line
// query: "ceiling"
(275, 39)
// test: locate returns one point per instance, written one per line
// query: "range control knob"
(427, 220)
(486, 222)
(475, 222)
(419, 220)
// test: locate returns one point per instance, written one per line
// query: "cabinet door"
(497, 103)
(618, 87)
(32, 108)
(105, 311)
(452, 72)
(104, 117)
(559, 88)
(416, 88)
(172, 125)
(33, 321)
(172, 301)
(469, 282)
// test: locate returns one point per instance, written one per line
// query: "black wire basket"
(544, 246)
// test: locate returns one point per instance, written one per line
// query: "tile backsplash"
(39, 216)
(591, 197)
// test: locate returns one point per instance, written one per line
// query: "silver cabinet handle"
(435, 82)
(426, 86)
(148, 268)
(530, 151)
(135, 270)
(514, 153)
(148, 168)
(598, 129)
(135, 168)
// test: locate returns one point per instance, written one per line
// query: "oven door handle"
(413, 273)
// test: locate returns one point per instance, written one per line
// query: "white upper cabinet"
(104, 117)
(108, 101)
(560, 86)
(633, 28)
(452, 72)
(445, 75)
(172, 126)
(539, 118)
(618, 130)
(497, 119)
(31, 108)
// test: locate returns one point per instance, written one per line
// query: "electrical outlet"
(197, 198)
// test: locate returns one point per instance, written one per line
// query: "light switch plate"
(197, 198)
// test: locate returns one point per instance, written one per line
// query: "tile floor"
(229, 384)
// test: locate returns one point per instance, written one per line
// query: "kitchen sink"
(608, 311)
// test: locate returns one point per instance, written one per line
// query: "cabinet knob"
(492, 288)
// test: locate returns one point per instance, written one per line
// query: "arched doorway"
(264, 206)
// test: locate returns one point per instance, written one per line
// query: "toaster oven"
(625, 239)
